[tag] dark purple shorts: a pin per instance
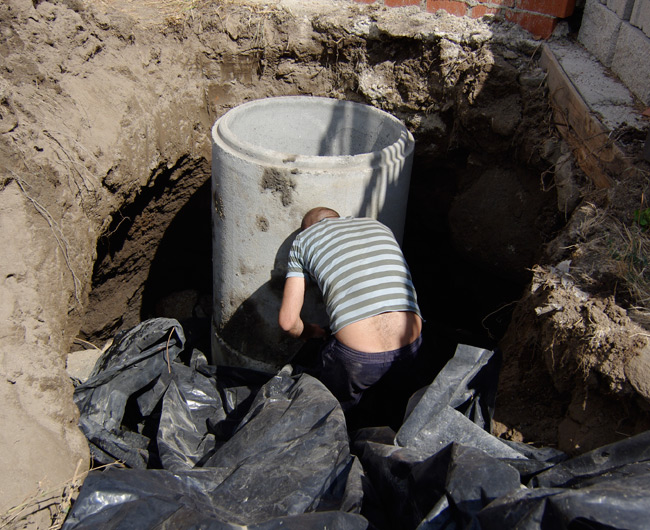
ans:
(347, 372)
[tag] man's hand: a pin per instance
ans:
(312, 331)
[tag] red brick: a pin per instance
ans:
(450, 6)
(400, 3)
(539, 25)
(481, 11)
(557, 8)
(500, 3)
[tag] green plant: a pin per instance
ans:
(642, 218)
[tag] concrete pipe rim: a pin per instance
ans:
(225, 135)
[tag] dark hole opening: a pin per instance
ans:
(462, 303)
(179, 284)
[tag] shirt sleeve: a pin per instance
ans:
(295, 267)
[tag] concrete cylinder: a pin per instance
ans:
(272, 160)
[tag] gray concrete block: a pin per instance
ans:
(599, 31)
(631, 63)
(641, 16)
(603, 93)
(622, 8)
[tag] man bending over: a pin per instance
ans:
(369, 296)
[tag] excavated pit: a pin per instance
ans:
(105, 117)
(477, 215)
(478, 111)
(165, 270)
(478, 212)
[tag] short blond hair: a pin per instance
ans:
(317, 214)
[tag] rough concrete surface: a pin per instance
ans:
(631, 45)
(641, 17)
(105, 113)
(623, 8)
(602, 92)
(599, 31)
(297, 150)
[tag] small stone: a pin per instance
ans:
(80, 364)
(533, 79)
(568, 191)
(550, 150)
(637, 370)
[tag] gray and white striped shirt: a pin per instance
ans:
(358, 266)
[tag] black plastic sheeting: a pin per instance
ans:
(222, 448)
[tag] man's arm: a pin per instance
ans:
(289, 318)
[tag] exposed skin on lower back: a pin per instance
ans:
(383, 332)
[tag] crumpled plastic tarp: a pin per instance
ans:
(445, 471)
(222, 448)
(226, 454)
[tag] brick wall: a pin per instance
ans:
(537, 16)
(617, 32)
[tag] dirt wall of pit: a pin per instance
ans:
(104, 132)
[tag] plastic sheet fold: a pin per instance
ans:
(445, 470)
(223, 448)
(212, 452)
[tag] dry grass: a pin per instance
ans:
(606, 244)
(56, 502)
(175, 13)
(592, 219)
(631, 253)
(154, 11)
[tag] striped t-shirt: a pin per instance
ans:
(358, 266)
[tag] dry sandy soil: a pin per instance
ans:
(105, 113)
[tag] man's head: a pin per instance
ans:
(317, 214)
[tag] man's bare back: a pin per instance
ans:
(381, 333)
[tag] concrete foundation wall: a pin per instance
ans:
(617, 32)
(622, 8)
(640, 17)
(632, 61)
(599, 31)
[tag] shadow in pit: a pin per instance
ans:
(448, 285)
(389, 160)
(179, 284)
(256, 317)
